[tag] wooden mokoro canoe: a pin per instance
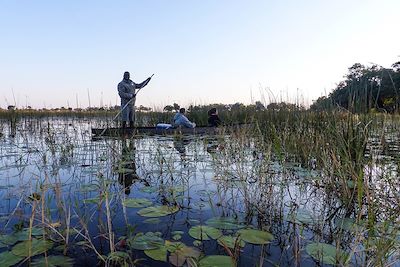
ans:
(199, 130)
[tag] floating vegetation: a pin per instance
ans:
(53, 261)
(158, 254)
(326, 253)
(137, 203)
(225, 223)
(256, 237)
(231, 241)
(9, 259)
(158, 211)
(152, 221)
(146, 241)
(216, 261)
(31, 248)
(203, 232)
(22, 235)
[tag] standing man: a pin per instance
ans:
(127, 92)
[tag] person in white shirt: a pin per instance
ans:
(181, 120)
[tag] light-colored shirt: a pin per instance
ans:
(181, 120)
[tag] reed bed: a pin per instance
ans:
(317, 188)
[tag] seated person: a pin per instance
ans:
(213, 119)
(181, 120)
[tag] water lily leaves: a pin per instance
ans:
(152, 221)
(53, 261)
(9, 239)
(136, 202)
(158, 211)
(31, 248)
(256, 237)
(326, 253)
(349, 224)
(89, 187)
(177, 189)
(93, 200)
(197, 243)
(149, 189)
(225, 223)
(304, 217)
(216, 261)
(146, 241)
(159, 254)
(230, 241)
(177, 259)
(23, 235)
(8, 259)
(180, 252)
(203, 232)
(177, 235)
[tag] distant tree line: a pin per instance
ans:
(365, 89)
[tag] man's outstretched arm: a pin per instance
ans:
(142, 84)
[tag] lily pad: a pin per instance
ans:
(326, 253)
(93, 200)
(146, 241)
(23, 235)
(180, 252)
(176, 237)
(149, 189)
(8, 259)
(256, 237)
(216, 261)
(152, 221)
(158, 211)
(53, 261)
(197, 243)
(89, 187)
(177, 232)
(177, 189)
(229, 241)
(349, 224)
(159, 254)
(203, 232)
(225, 223)
(136, 202)
(31, 248)
(304, 217)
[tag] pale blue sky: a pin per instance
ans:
(55, 52)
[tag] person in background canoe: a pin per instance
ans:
(213, 119)
(181, 120)
(127, 92)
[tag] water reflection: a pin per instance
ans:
(180, 144)
(127, 174)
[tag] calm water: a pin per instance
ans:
(205, 177)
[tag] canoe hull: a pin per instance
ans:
(153, 131)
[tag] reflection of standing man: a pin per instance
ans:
(127, 166)
(127, 92)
